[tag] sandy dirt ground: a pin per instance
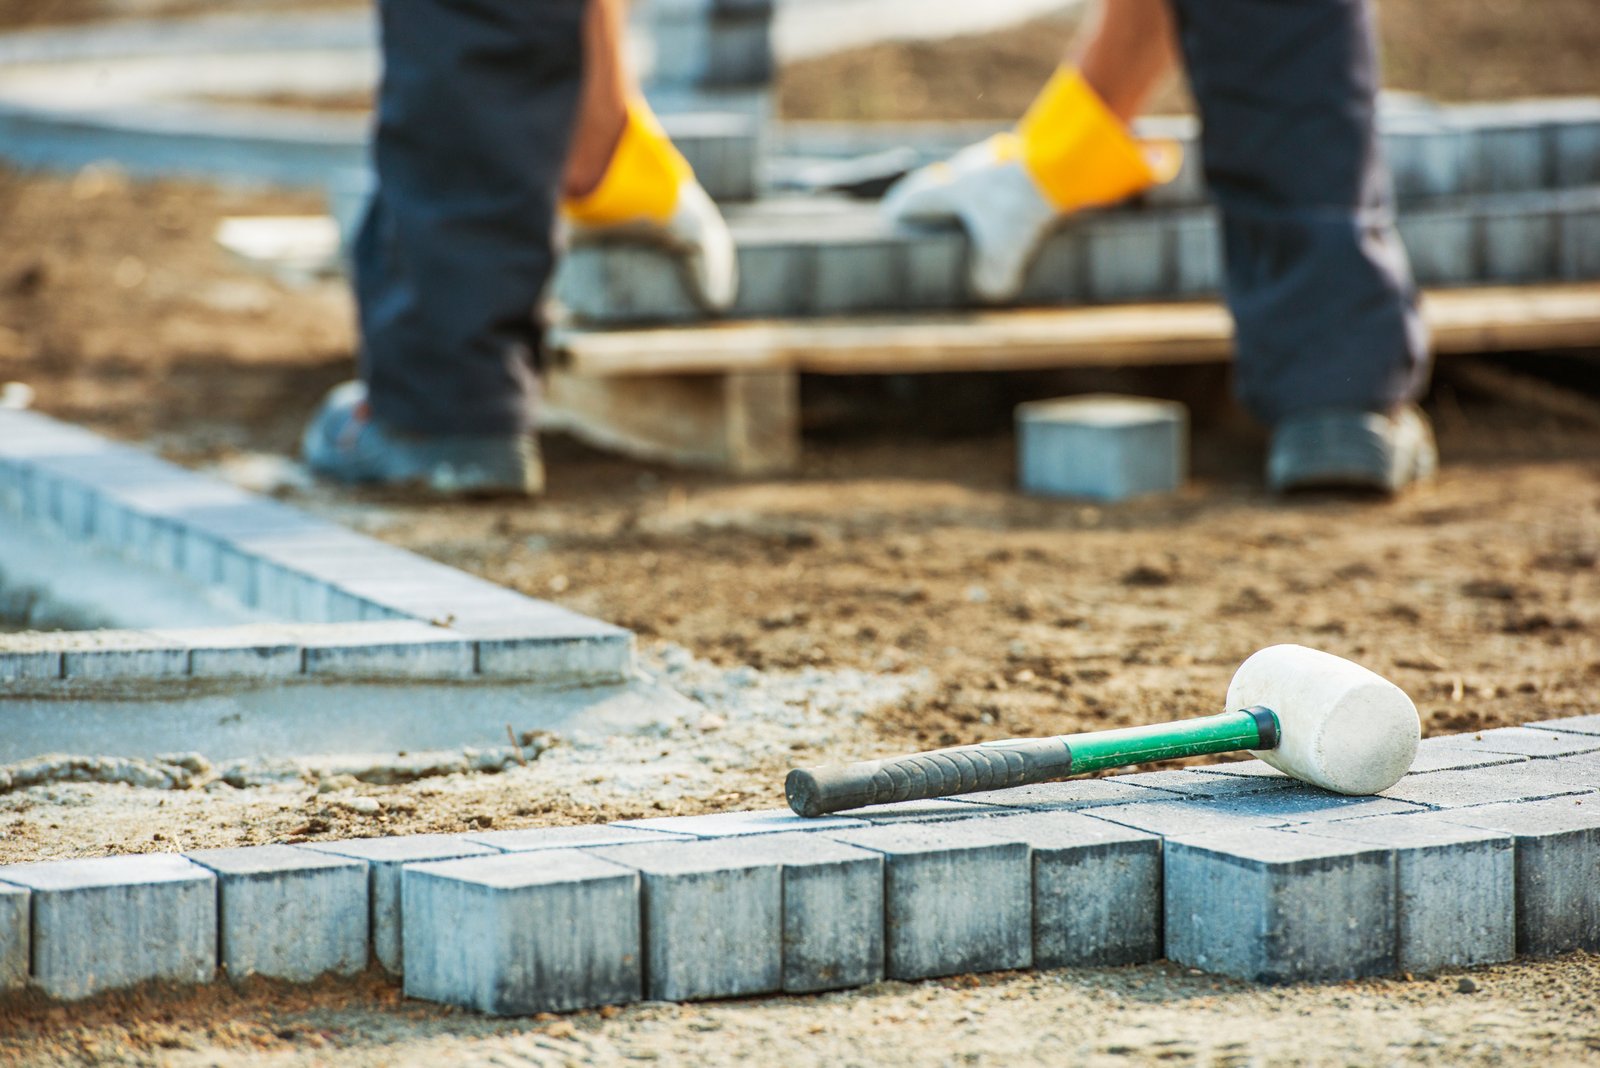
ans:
(894, 594)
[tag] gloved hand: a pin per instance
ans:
(1009, 192)
(650, 193)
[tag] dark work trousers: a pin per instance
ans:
(475, 113)
(1324, 307)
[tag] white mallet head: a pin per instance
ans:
(1340, 726)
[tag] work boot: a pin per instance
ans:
(649, 193)
(1332, 449)
(1069, 152)
(343, 442)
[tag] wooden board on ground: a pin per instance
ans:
(725, 395)
(1462, 320)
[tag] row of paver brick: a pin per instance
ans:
(801, 257)
(338, 602)
(1491, 848)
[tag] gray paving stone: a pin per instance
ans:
(1241, 768)
(1518, 245)
(1523, 741)
(1130, 258)
(1212, 782)
(713, 918)
(832, 910)
(1176, 818)
(956, 898)
(1569, 725)
(935, 271)
(25, 657)
(119, 654)
(1455, 889)
(385, 858)
(776, 277)
(1443, 244)
(735, 824)
(1475, 786)
(724, 48)
(1068, 794)
(1445, 754)
(1276, 906)
(523, 933)
(1197, 255)
(614, 282)
(1310, 805)
(1059, 274)
(552, 647)
(288, 913)
(1576, 147)
(14, 925)
(530, 839)
(1101, 446)
(1507, 157)
(1096, 889)
(1579, 240)
(1558, 869)
(401, 649)
(926, 810)
(109, 922)
(860, 273)
(253, 651)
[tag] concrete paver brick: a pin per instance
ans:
(523, 932)
(1276, 906)
(956, 898)
(528, 839)
(14, 937)
(733, 824)
(1524, 741)
(107, 922)
(712, 918)
(288, 913)
(1102, 446)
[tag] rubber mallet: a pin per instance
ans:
(1313, 715)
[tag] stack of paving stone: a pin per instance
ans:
(1489, 849)
(1489, 194)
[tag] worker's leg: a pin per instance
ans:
(475, 115)
(1321, 292)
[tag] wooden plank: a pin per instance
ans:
(746, 423)
(1462, 320)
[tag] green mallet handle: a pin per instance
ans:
(971, 769)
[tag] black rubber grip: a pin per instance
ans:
(940, 773)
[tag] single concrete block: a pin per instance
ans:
(565, 649)
(724, 48)
(1070, 794)
(613, 282)
(935, 271)
(712, 918)
(1569, 725)
(385, 857)
(1576, 146)
(289, 913)
(1096, 889)
(1578, 234)
(1202, 782)
(1060, 272)
(1443, 245)
(1454, 886)
(859, 274)
(529, 839)
(1310, 804)
(1178, 818)
(120, 654)
(252, 651)
(1523, 741)
(1274, 906)
(1506, 156)
(1130, 258)
(923, 810)
(776, 277)
(28, 657)
(1243, 769)
(1476, 786)
(523, 933)
(1446, 754)
(736, 824)
(1558, 869)
(832, 910)
(956, 898)
(401, 649)
(1198, 255)
(1519, 245)
(1102, 446)
(109, 922)
(14, 927)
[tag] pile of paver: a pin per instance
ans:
(1489, 849)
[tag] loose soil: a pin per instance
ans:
(896, 593)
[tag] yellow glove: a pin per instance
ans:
(649, 191)
(1069, 152)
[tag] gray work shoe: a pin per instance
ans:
(344, 443)
(1335, 449)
